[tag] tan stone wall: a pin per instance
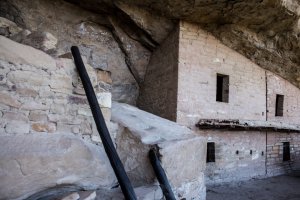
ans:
(41, 94)
(291, 106)
(274, 160)
(201, 57)
(158, 93)
(230, 166)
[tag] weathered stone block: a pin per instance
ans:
(34, 106)
(44, 127)
(37, 116)
(104, 99)
(40, 161)
(41, 40)
(26, 92)
(183, 153)
(17, 127)
(18, 53)
(27, 77)
(7, 99)
(104, 76)
(8, 28)
(15, 116)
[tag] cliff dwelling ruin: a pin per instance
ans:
(149, 100)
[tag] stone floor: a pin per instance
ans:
(275, 188)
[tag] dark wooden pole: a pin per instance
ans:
(161, 175)
(111, 152)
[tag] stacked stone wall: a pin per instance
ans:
(239, 155)
(274, 161)
(201, 58)
(291, 105)
(41, 94)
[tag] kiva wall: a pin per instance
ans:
(158, 93)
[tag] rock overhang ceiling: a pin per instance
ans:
(265, 31)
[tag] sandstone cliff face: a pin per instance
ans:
(119, 36)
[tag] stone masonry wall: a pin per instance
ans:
(274, 160)
(158, 93)
(201, 57)
(291, 105)
(230, 165)
(42, 94)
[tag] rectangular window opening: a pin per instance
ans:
(222, 88)
(210, 157)
(279, 105)
(286, 151)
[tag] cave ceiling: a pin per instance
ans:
(265, 31)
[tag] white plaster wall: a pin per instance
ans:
(201, 57)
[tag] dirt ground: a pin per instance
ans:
(275, 188)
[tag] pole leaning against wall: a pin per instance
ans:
(161, 175)
(111, 152)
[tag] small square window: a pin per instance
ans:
(222, 94)
(279, 105)
(210, 157)
(286, 151)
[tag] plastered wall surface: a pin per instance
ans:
(159, 91)
(233, 159)
(201, 57)
(291, 106)
(252, 96)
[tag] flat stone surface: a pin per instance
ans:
(31, 164)
(18, 53)
(182, 151)
(275, 188)
(150, 128)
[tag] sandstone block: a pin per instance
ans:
(17, 127)
(7, 99)
(19, 37)
(104, 76)
(41, 40)
(44, 127)
(61, 83)
(17, 53)
(32, 105)
(58, 108)
(8, 28)
(27, 77)
(104, 99)
(85, 112)
(183, 153)
(37, 116)
(40, 161)
(15, 116)
(26, 92)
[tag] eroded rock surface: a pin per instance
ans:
(118, 36)
(182, 152)
(32, 163)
